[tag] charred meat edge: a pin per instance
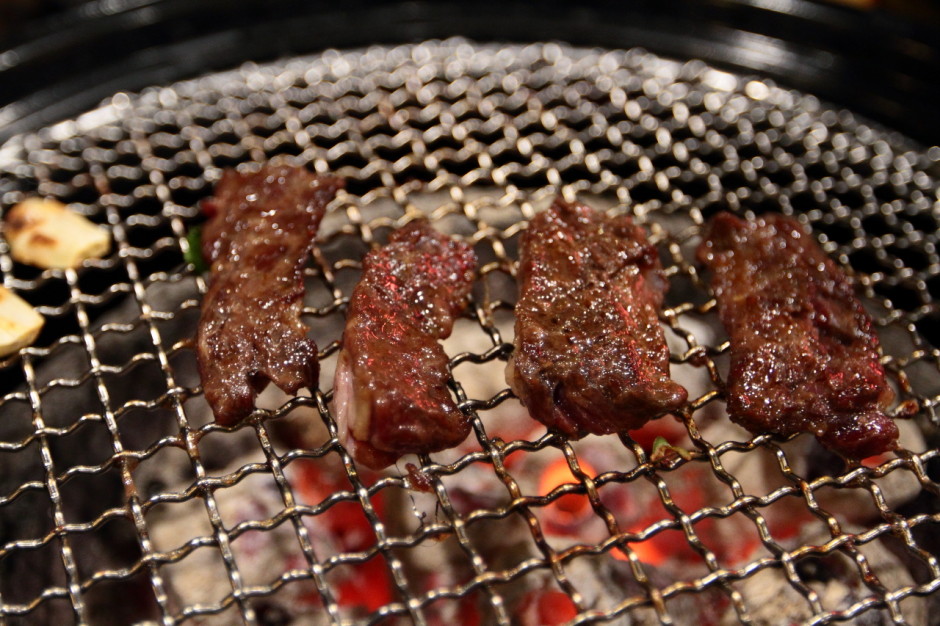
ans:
(804, 354)
(590, 354)
(258, 238)
(391, 394)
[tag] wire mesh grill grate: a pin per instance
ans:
(121, 502)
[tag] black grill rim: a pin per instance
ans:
(877, 63)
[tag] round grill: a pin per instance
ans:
(121, 501)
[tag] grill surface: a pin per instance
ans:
(97, 413)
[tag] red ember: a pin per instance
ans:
(546, 608)
(566, 512)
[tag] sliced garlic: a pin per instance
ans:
(19, 323)
(46, 234)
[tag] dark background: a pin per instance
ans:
(14, 14)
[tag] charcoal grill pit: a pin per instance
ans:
(127, 504)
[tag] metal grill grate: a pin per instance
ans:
(121, 502)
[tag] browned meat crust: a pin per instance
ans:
(391, 376)
(590, 355)
(257, 240)
(804, 356)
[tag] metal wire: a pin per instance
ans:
(480, 137)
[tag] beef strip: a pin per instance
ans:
(257, 240)
(391, 375)
(590, 355)
(804, 356)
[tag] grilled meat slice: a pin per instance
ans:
(804, 356)
(257, 240)
(391, 395)
(590, 355)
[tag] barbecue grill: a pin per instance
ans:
(121, 502)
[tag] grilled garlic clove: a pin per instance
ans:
(46, 234)
(19, 323)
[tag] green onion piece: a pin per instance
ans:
(662, 450)
(193, 255)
